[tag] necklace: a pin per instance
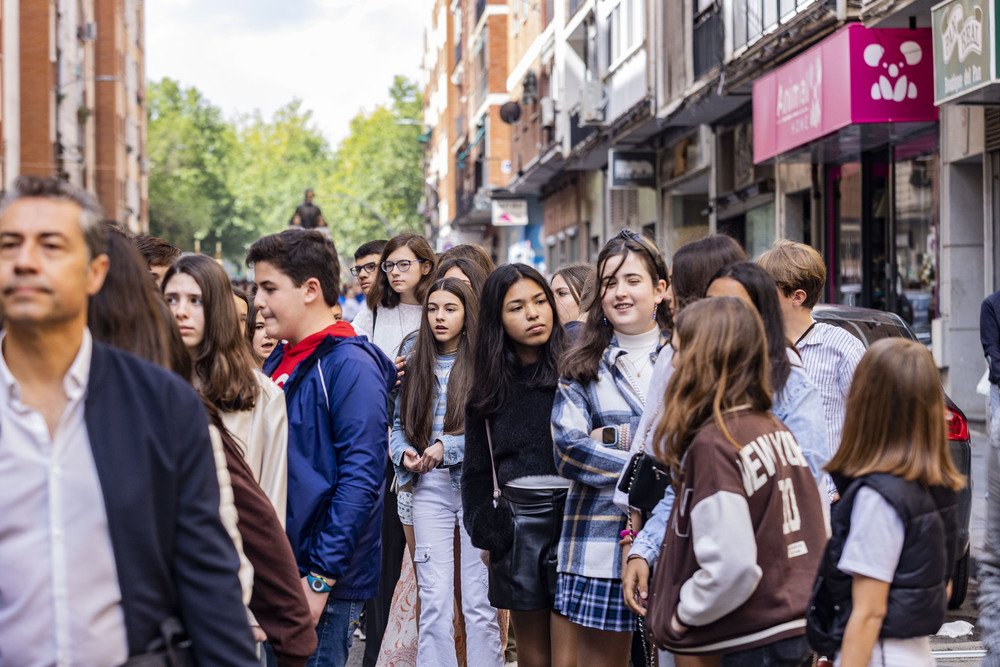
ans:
(447, 352)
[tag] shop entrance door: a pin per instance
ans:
(858, 264)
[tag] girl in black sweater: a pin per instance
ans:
(510, 403)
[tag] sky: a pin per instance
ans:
(338, 56)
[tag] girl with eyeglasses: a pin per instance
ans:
(605, 381)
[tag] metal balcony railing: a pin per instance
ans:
(458, 52)
(480, 8)
(574, 5)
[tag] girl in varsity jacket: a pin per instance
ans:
(746, 532)
(605, 378)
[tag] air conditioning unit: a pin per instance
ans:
(593, 104)
(548, 111)
(88, 32)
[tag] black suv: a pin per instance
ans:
(871, 325)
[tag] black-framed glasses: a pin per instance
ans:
(403, 264)
(658, 261)
(367, 268)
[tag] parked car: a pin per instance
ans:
(871, 325)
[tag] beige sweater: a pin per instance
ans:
(262, 434)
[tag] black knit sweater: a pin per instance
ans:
(522, 447)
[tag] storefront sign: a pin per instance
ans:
(857, 75)
(964, 52)
(632, 169)
(510, 212)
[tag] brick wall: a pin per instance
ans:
(37, 94)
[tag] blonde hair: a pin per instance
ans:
(721, 364)
(896, 374)
(795, 266)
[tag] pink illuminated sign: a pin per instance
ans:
(857, 75)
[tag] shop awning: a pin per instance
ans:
(856, 75)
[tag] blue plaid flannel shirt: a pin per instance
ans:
(592, 523)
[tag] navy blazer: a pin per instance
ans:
(149, 436)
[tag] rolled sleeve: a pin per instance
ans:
(578, 456)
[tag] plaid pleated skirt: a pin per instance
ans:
(593, 603)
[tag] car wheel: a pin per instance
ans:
(959, 581)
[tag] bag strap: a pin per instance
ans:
(493, 467)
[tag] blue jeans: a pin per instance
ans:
(334, 632)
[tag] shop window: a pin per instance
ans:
(915, 174)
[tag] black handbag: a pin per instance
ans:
(171, 649)
(644, 482)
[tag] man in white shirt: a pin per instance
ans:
(110, 522)
(829, 354)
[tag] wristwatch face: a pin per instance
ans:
(318, 585)
(609, 435)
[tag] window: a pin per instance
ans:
(625, 30)
(752, 19)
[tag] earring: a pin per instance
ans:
(605, 321)
(463, 332)
(655, 306)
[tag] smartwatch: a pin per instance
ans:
(318, 584)
(609, 435)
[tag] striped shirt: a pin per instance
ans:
(830, 355)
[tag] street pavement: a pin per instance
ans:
(968, 650)
(958, 652)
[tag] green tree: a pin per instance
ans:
(378, 163)
(189, 145)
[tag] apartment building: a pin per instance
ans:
(73, 98)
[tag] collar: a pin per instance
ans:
(74, 382)
(614, 349)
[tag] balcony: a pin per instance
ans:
(575, 5)
(578, 134)
(480, 8)
(708, 40)
(458, 52)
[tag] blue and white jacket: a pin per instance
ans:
(592, 524)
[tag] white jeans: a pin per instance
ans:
(437, 509)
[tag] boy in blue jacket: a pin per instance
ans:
(335, 387)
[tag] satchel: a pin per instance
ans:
(826, 620)
(645, 481)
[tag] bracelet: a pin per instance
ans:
(631, 556)
(628, 533)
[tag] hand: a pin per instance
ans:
(400, 368)
(432, 457)
(598, 434)
(258, 634)
(635, 585)
(316, 601)
(675, 624)
(411, 461)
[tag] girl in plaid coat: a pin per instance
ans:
(602, 391)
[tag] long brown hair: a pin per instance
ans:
(222, 364)
(581, 361)
(721, 364)
(418, 395)
(381, 292)
(912, 441)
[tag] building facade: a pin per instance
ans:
(869, 129)
(72, 98)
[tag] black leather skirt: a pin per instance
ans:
(524, 578)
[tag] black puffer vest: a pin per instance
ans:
(918, 597)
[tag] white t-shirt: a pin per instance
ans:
(872, 550)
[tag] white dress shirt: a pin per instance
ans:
(60, 601)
